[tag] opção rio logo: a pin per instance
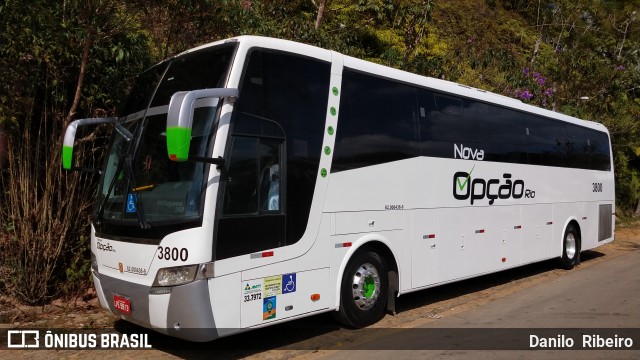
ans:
(465, 187)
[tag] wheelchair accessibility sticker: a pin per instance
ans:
(132, 199)
(288, 283)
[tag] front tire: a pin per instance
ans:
(364, 290)
(570, 248)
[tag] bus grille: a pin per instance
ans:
(604, 222)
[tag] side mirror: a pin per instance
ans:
(70, 136)
(180, 118)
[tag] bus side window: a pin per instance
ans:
(378, 122)
(444, 122)
(448, 105)
(546, 141)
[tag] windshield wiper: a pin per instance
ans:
(103, 204)
(125, 164)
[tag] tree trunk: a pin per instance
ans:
(88, 42)
(321, 6)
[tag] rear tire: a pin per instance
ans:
(570, 248)
(364, 290)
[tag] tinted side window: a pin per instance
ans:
(447, 121)
(291, 91)
(546, 141)
(587, 148)
(501, 133)
(377, 124)
(448, 105)
(601, 155)
(443, 123)
(579, 149)
(370, 133)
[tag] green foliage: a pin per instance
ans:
(627, 184)
(78, 271)
(46, 79)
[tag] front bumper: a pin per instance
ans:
(184, 313)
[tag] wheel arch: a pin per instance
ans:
(381, 245)
(565, 261)
(572, 220)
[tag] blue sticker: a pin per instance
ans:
(269, 308)
(132, 199)
(288, 283)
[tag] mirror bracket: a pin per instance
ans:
(180, 119)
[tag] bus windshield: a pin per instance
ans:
(139, 182)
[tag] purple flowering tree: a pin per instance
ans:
(534, 88)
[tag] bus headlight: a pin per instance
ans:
(94, 262)
(175, 275)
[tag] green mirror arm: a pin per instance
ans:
(180, 118)
(70, 137)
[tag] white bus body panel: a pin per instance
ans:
(467, 240)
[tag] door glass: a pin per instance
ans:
(242, 175)
(269, 176)
(253, 177)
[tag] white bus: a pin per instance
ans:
(253, 181)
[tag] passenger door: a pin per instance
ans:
(253, 216)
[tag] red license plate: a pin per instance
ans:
(122, 304)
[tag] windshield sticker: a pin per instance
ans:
(147, 164)
(132, 199)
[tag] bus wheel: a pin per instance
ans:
(570, 248)
(364, 290)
